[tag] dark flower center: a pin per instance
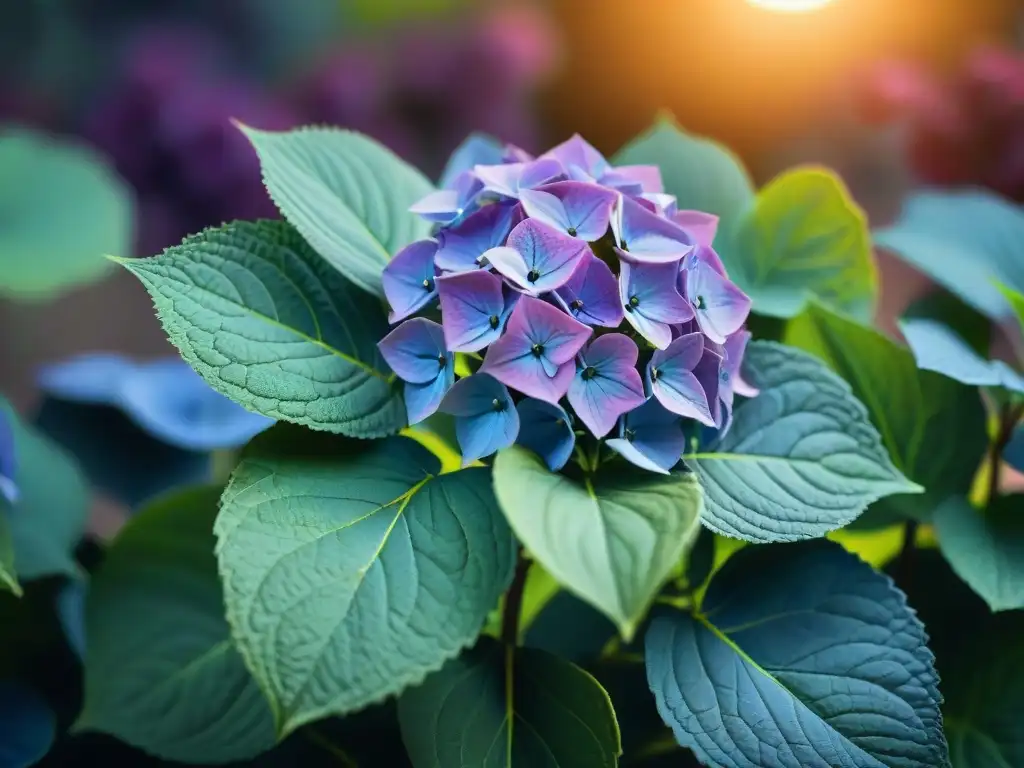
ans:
(623, 246)
(442, 360)
(589, 372)
(498, 405)
(428, 284)
(493, 321)
(725, 375)
(533, 275)
(629, 434)
(576, 305)
(699, 302)
(571, 231)
(654, 374)
(537, 349)
(633, 302)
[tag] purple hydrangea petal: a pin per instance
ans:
(511, 179)
(709, 375)
(673, 381)
(651, 300)
(415, 351)
(440, 206)
(606, 384)
(535, 354)
(477, 149)
(408, 279)
(591, 294)
(537, 258)
(735, 347)
(664, 205)
(546, 430)
(579, 158)
(641, 235)
(460, 247)
(474, 308)
(721, 307)
(702, 227)
(579, 209)
(635, 179)
(486, 419)
(651, 437)
(8, 459)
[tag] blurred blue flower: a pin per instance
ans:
(8, 460)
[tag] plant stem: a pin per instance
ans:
(904, 568)
(514, 602)
(317, 738)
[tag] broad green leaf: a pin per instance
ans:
(271, 325)
(964, 240)
(964, 320)
(351, 573)
(570, 629)
(804, 237)
(802, 653)
(61, 210)
(937, 348)
(499, 707)
(933, 427)
(702, 174)
(612, 539)
(348, 195)
(50, 515)
(28, 726)
(801, 458)
(986, 548)
(8, 575)
(161, 672)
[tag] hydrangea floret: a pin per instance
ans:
(584, 303)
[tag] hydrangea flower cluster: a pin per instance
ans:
(580, 296)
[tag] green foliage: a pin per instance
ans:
(352, 570)
(612, 539)
(803, 237)
(801, 459)
(348, 195)
(498, 707)
(44, 253)
(271, 325)
(8, 576)
(932, 426)
(161, 672)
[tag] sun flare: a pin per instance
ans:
(790, 6)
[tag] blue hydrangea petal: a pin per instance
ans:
(422, 400)
(476, 149)
(8, 459)
(579, 209)
(651, 301)
(654, 433)
(719, 304)
(414, 350)
(673, 383)
(546, 430)
(440, 206)
(606, 383)
(88, 378)
(509, 180)
(537, 258)
(408, 279)
(591, 294)
(474, 307)
(486, 419)
(460, 247)
(641, 235)
(634, 455)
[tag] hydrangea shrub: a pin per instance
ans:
(561, 452)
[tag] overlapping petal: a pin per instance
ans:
(606, 384)
(579, 158)
(650, 437)
(651, 301)
(486, 419)
(460, 247)
(673, 382)
(719, 304)
(416, 352)
(535, 354)
(537, 258)
(512, 179)
(444, 206)
(591, 294)
(408, 279)
(641, 235)
(474, 309)
(547, 431)
(702, 227)
(579, 209)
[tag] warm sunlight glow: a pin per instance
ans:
(790, 6)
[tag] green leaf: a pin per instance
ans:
(352, 571)
(348, 195)
(50, 515)
(801, 459)
(271, 325)
(966, 241)
(161, 672)
(1016, 301)
(702, 174)
(612, 539)
(61, 210)
(804, 237)
(8, 575)
(932, 426)
(499, 707)
(944, 307)
(802, 656)
(986, 548)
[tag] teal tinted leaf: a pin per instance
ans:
(986, 548)
(50, 515)
(271, 325)
(41, 177)
(495, 707)
(802, 657)
(162, 673)
(348, 195)
(27, 726)
(570, 629)
(932, 427)
(965, 321)
(353, 573)
(703, 174)
(965, 241)
(937, 348)
(804, 237)
(8, 576)
(801, 459)
(612, 539)
(70, 605)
